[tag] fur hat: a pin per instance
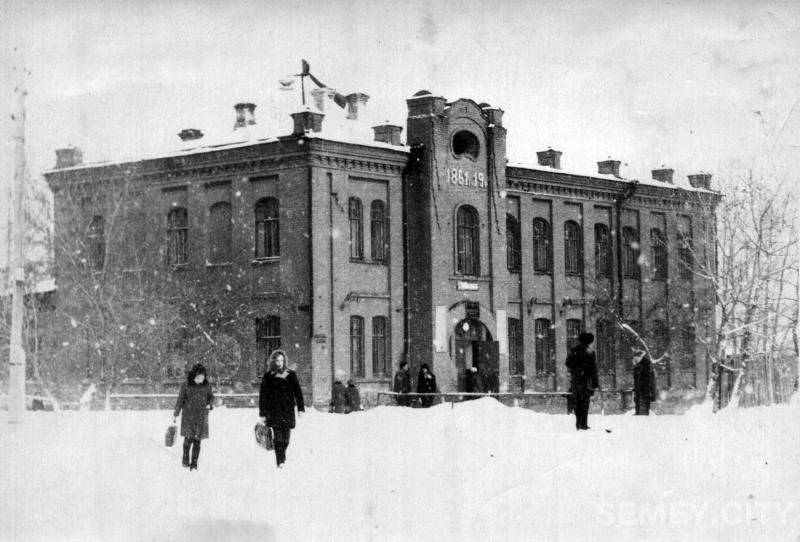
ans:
(272, 357)
(197, 369)
(586, 338)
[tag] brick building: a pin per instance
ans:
(355, 252)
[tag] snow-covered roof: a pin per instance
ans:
(679, 181)
(277, 123)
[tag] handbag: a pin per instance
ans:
(264, 436)
(169, 436)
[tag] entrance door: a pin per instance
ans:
(474, 346)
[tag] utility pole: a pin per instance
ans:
(16, 354)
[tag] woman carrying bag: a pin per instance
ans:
(279, 394)
(194, 401)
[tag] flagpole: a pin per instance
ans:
(16, 354)
(303, 87)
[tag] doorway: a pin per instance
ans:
(474, 346)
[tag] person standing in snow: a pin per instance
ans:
(475, 382)
(195, 399)
(352, 398)
(426, 383)
(338, 398)
(583, 378)
(279, 394)
(402, 384)
(644, 382)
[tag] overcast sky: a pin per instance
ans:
(710, 86)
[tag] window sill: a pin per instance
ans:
(266, 261)
(368, 262)
(470, 278)
(536, 272)
(371, 380)
(178, 266)
(574, 274)
(218, 264)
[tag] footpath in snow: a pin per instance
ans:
(479, 471)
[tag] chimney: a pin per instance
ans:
(307, 121)
(322, 97)
(388, 133)
(663, 175)
(68, 157)
(609, 167)
(190, 134)
(356, 104)
(700, 180)
(494, 114)
(245, 115)
(549, 158)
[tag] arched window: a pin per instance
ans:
(177, 236)
(355, 213)
(686, 250)
(630, 253)
(602, 251)
(381, 349)
(605, 347)
(219, 232)
(688, 339)
(356, 346)
(467, 241)
(545, 360)
(573, 248)
(268, 336)
(377, 213)
(658, 250)
(267, 214)
(659, 334)
(97, 243)
(513, 259)
(574, 329)
(541, 246)
(516, 363)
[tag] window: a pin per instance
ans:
(177, 234)
(268, 336)
(381, 350)
(574, 329)
(219, 232)
(356, 346)
(659, 333)
(631, 342)
(268, 244)
(541, 245)
(545, 362)
(658, 248)
(516, 363)
(630, 253)
(356, 229)
(602, 251)
(378, 231)
(465, 144)
(467, 241)
(685, 252)
(97, 243)
(513, 259)
(605, 347)
(573, 248)
(688, 338)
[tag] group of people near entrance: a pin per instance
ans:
(582, 365)
(280, 395)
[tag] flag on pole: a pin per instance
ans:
(338, 98)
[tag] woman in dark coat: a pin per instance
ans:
(352, 397)
(338, 398)
(644, 383)
(426, 383)
(195, 399)
(280, 393)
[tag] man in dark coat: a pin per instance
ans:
(338, 398)
(426, 383)
(402, 384)
(475, 382)
(195, 399)
(352, 398)
(644, 382)
(279, 394)
(583, 378)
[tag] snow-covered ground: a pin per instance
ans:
(479, 471)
